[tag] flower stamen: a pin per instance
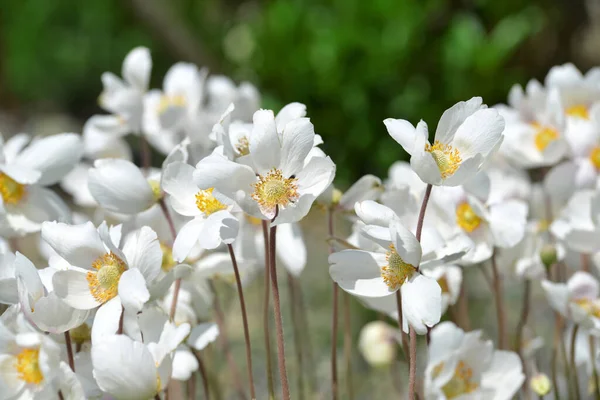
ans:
(11, 191)
(446, 157)
(207, 203)
(544, 135)
(466, 217)
(397, 271)
(274, 190)
(28, 366)
(578, 111)
(104, 282)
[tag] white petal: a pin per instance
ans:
(507, 222)
(21, 174)
(316, 176)
(265, 146)
(119, 186)
(142, 251)
(225, 176)
(219, 227)
(10, 382)
(187, 238)
(425, 166)
(132, 290)
(402, 132)
(359, 272)
(136, 68)
(184, 365)
(106, 320)
(203, 334)
(54, 156)
(421, 302)
(505, 375)
(373, 213)
(124, 368)
(288, 113)
(28, 277)
(53, 315)
(479, 134)
(557, 295)
(178, 181)
(40, 205)
(290, 248)
(184, 79)
(407, 245)
(583, 285)
(72, 286)
(368, 187)
(80, 245)
(454, 117)
(297, 141)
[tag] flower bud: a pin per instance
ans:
(540, 384)
(377, 344)
(548, 255)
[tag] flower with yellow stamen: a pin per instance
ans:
(274, 190)
(466, 217)
(104, 281)
(11, 191)
(207, 203)
(28, 366)
(397, 271)
(544, 135)
(578, 111)
(446, 157)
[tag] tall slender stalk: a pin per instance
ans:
(412, 368)
(296, 335)
(334, 314)
(592, 345)
(285, 389)
(165, 210)
(266, 327)
(573, 363)
(348, 347)
(403, 335)
(523, 319)
(500, 314)
(224, 340)
(203, 374)
(585, 262)
(145, 153)
(238, 282)
(69, 350)
(191, 388)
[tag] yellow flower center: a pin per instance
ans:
(104, 282)
(274, 190)
(591, 307)
(396, 272)
(242, 146)
(253, 220)
(156, 191)
(579, 111)
(28, 366)
(446, 157)
(207, 203)
(168, 262)
(443, 282)
(595, 157)
(544, 135)
(171, 101)
(466, 217)
(461, 382)
(81, 334)
(10, 190)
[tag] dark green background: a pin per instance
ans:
(353, 62)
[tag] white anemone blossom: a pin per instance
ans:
(578, 299)
(466, 136)
(279, 178)
(394, 266)
(100, 273)
(29, 363)
(25, 171)
(462, 365)
(41, 306)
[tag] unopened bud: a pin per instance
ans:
(540, 384)
(336, 196)
(548, 255)
(377, 344)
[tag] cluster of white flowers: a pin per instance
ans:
(119, 305)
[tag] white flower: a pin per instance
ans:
(172, 114)
(378, 343)
(212, 222)
(120, 186)
(128, 370)
(577, 299)
(577, 225)
(124, 97)
(184, 361)
(282, 179)
(25, 171)
(467, 134)
(101, 274)
(462, 365)
(393, 267)
(45, 310)
(8, 280)
(28, 363)
(449, 277)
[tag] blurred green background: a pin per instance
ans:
(353, 62)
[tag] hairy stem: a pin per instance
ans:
(573, 363)
(69, 351)
(348, 347)
(500, 314)
(334, 315)
(238, 282)
(266, 328)
(203, 374)
(285, 389)
(296, 335)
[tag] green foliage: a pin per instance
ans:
(353, 62)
